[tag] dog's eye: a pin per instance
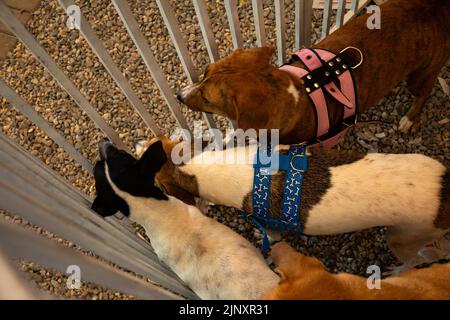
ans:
(202, 95)
(206, 71)
(205, 100)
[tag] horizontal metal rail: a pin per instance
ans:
(118, 221)
(36, 199)
(22, 244)
(36, 168)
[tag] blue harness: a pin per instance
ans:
(295, 164)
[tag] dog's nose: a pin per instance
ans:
(179, 96)
(103, 146)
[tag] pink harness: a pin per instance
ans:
(325, 71)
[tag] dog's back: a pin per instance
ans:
(412, 41)
(306, 278)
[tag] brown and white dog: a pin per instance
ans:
(412, 44)
(342, 191)
(214, 261)
(306, 278)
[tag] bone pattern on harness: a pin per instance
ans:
(293, 182)
(295, 165)
(261, 185)
(346, 95)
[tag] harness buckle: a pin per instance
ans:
(293, 167)
(360, 54)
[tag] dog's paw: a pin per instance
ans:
(405, 124)
(395, 271)
(273, 236)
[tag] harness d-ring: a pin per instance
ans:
(360, 54)
(292, 162)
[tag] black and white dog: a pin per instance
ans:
(214, 261)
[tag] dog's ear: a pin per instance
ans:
(103, 207)
(254, 58)
(107, 204)
(281, 273)
(289, 262)
(263, 55)
(153, 159)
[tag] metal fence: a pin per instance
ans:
(31, 190)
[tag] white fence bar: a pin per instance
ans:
(208, 36)
(123, 225)
(340, 13)
(12, 97)
(22, 244)
(177, 39)
(180, 45)
(303, 20)
(14, 282)
(233, 21)
(327, 10)
(258, 16)
(35, 169)
(98, 48)
(280, 22)
(356, 6)
(130, 23)
(16, 27)
(36, 199)
(206, 28)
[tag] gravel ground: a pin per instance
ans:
(349, 252)
(55, 283)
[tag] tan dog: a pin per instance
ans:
(306, 278)
(342, 191)
(412, 44)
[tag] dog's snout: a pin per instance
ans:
(184, 93)
(180, 95)
(103, 146)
